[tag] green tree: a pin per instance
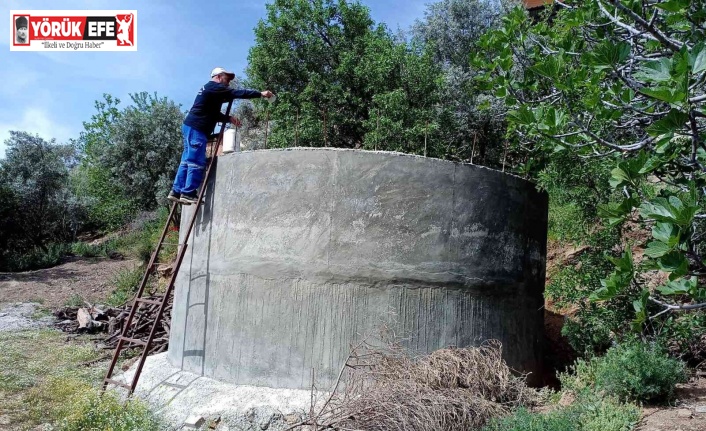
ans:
(339, 77)
(34, 174)
(10, 233)
(401, 117)
(145, 149)
(623, 80)
(450, 30)
(105, 201)
(129, 157)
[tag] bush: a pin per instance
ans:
(588, 413)
(93, 412)
(146, 240)
(37, 258)
(684, 335)
(83, 249)
(630, 371)
(75, 300)
(140, 242)
(589, 332)
(639, 371)
(597, 413)
(580, 377)
(522, 420)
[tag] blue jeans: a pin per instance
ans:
(193, 162)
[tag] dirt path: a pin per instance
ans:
(52, 287)
(688, 415)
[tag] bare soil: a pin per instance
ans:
(689, 413)
(89, 278)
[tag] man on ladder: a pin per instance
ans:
(200, 121)
(198, 124)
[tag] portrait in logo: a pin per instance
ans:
(21, 30)
(124, 29)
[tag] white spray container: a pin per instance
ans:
(231, 140)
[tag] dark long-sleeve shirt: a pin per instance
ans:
(206, 111)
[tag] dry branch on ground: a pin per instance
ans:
(450, 389)
(112, 320)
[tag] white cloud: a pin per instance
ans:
(35, 121)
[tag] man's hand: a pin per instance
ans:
(267, 94)
(234, 121)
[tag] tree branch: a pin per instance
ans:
(683, 307)
(658, 35)
(632, 30)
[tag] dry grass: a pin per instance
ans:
(450, 389)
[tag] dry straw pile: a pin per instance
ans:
(451, 389)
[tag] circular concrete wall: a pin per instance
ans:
(298, 253)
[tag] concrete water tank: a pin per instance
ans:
(298, 253)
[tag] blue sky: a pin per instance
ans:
(178, 44)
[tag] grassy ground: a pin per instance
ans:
(39, 371)
(46, 379)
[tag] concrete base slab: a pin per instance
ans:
(177, 395)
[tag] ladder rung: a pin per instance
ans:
(148, 301)
(117, 383)
(134, 341)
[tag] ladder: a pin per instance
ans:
(151, 266)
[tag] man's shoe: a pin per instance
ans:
(174, 197)
(189, 199)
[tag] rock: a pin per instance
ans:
(194, 422)
(84, 318)
(684, 413)
(250, 415)
(129, 363)
(292, 418)
(266, 421)
(264, 424)
(700, 409)
(165, 270)
(214, 423)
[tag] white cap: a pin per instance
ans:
(220, 70)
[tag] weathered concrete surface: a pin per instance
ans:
(298, 253)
